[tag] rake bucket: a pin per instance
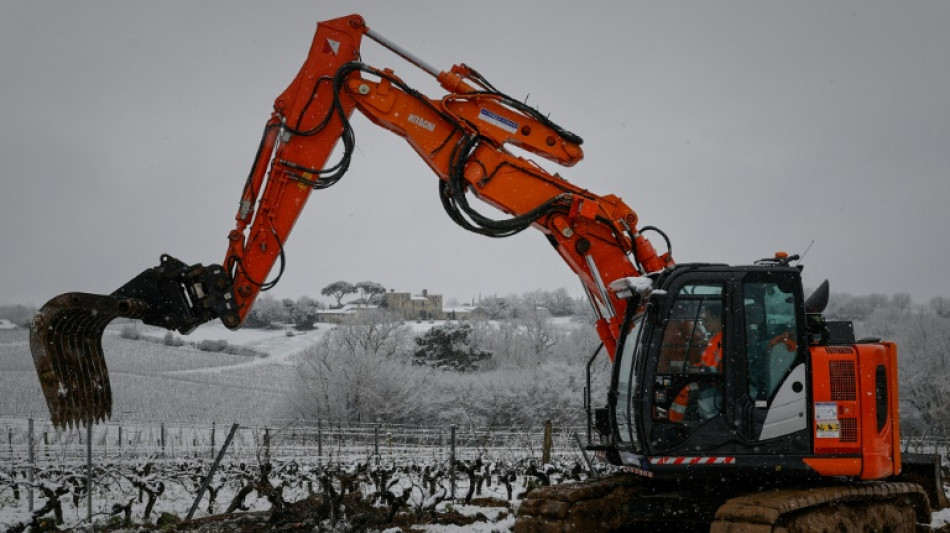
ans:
(66, 342)
(66, 334)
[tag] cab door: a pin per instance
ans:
(772, 407)
(688, 398)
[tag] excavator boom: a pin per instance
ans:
(463, 136)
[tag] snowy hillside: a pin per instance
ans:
(150, 379)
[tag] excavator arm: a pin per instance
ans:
(464, 137)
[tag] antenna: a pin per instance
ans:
(806, 250)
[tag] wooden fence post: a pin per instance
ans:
(266, 446)
(548, 442)
(319, 441)
(452, 462)
(32, 465)
(214, 466)
(89, 471)
(376, 442)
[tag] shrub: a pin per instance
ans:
(173, 340)
(129, 331)
(209, 345)
(449, 347)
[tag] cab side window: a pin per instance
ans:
(771, 338)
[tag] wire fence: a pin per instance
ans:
(39, 442)
(317, 442)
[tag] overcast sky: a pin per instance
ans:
(740, 128)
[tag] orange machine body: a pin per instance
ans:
(855, 406)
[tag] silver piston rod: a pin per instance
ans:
(403, 53)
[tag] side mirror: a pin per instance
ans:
(818, 299)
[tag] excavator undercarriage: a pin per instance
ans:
(628, 502)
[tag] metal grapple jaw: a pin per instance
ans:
(66, 334)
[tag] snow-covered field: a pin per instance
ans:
(153, 381)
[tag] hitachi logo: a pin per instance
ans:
(421, 122)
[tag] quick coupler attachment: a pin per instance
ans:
(66, 334)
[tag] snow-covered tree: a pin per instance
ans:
(338, 290)
(560, 302)
(353, 373)
(924, 358)
(303, 312)
(21, 315)
(267, 310)
(370, 291)
(449, 347)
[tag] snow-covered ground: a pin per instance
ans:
(940, 518)
(280, 345)
(178, 497)
(178, 501)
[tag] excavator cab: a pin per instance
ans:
(725, 361)
(716, 365)
(729, 371)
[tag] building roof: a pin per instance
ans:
(347, 309)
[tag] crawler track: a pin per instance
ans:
(626, 502)
(893, 507)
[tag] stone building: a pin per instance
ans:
(423, 306)
(349, 312)
(411, 307)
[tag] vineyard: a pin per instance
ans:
(149, 465)
(290, 477)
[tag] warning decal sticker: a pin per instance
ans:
(829, 429)
(826, 410)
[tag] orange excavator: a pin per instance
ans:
(733, 404)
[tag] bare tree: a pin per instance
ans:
(355, 372)
(379, 332)
(940, 305)
(901, 301)
(923, 339)
(539, 334)
(498, 337)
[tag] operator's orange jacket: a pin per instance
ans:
(712, 358)
(712, 355)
